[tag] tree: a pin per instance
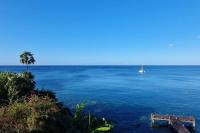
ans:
(27, 59)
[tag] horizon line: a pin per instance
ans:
(108, 65)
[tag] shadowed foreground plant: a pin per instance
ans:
(89, 123)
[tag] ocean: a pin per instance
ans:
(121, 94)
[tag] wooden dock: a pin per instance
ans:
(177, 123)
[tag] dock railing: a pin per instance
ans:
(177, 123)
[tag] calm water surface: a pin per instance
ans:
(121, 94)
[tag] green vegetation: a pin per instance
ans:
(23, 109)
(107, 127)
(13, 86)
(27, 59)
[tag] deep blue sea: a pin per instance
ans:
(121, 94)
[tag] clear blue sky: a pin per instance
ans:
(89, 32)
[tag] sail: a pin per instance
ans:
(141, 70)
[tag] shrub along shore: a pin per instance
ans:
(25, 109)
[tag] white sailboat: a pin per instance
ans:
(141, 71)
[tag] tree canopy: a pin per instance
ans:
(27, 58)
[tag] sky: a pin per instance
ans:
(101, 32)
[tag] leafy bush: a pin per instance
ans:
(48, 93)
(86, 123)
(3, 90)
(14, 86)
(42, 108)
(36, 114)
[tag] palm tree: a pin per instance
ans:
(27, 59)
